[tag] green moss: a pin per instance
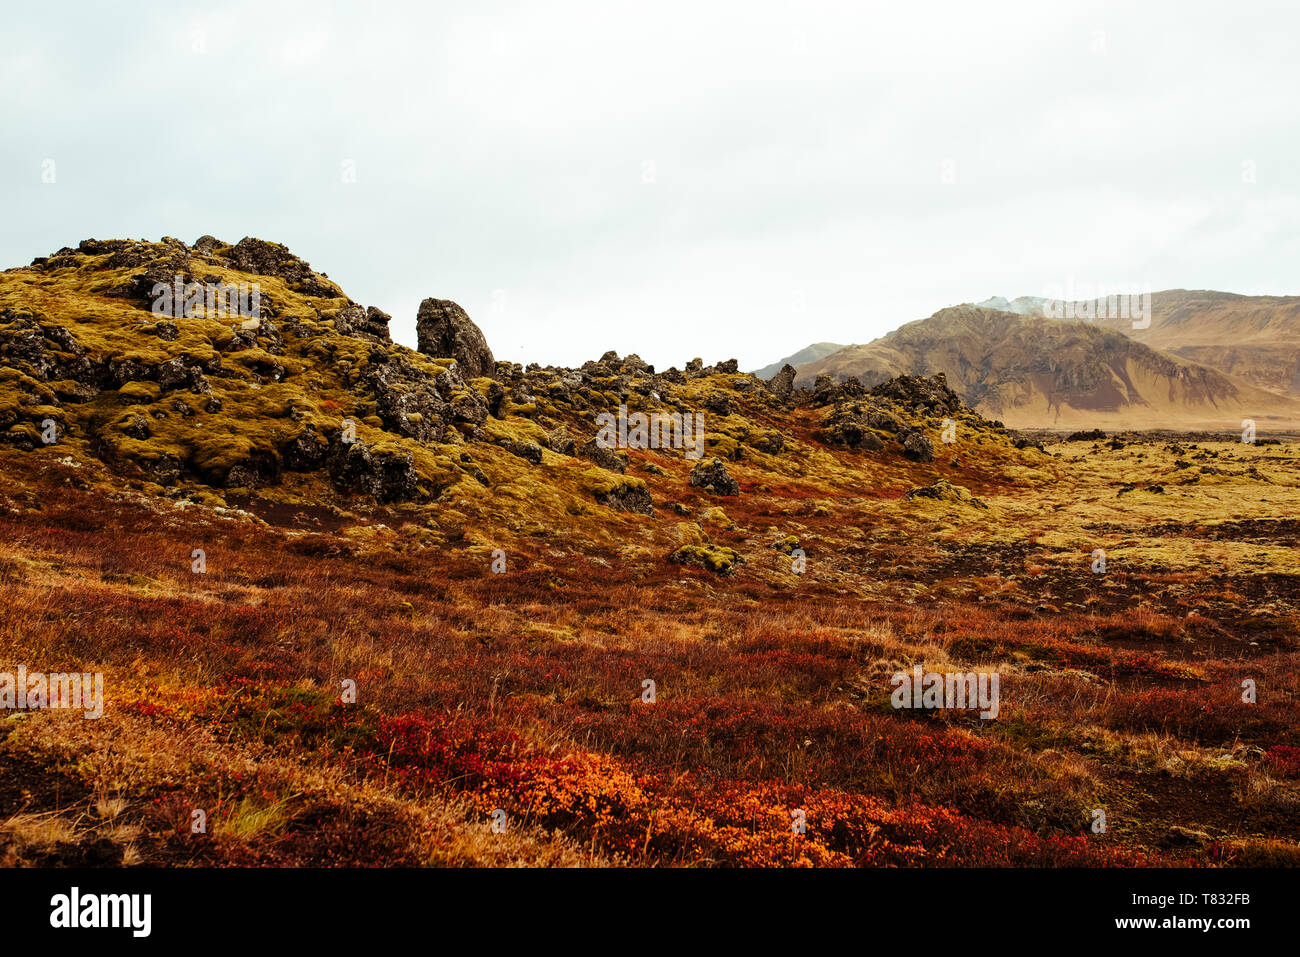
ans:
(517, 430)
(714, 558)
(600, 481)
(140, 393)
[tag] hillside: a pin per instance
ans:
(1253, 338)
(810, 353)
(312, 401)
(1032, 372)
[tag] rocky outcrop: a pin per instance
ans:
(927, 394)
(262, 258)
(444, 330)
(627, 497)
(714, 478)
(387, 475)
(320, 391)
(916, 447)
(605, 458)
(370, 322)
(944, 491)
(781, 385)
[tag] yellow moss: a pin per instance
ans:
(517, 430)
(689, 533)
(142, 393)
(600, 481)
(715, 558)
(716, 516)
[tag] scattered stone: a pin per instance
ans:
(714, 558)
(917, 448)
(945, 491)
(605, 458)
(781, 385)
(386, 475)
(560, 441)
(627, 496)
(714, 478)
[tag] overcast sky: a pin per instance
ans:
(671, 178)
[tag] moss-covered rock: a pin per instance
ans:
(715, 558)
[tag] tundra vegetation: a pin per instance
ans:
(426, 598)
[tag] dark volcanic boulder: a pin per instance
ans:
(371, 322)
(205, 245)
(304, 452)
(387, 475)
(713, 477)
(825, 391)
(782, 384)
(560, 441)
(408, 401)
(921, 394)
(627, 497)
(528, 451)
(443, 329)
(261, 258)
(917, 447)
(945, 491)
(605, 458)
(847, 431)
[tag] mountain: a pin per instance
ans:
(1022, 306)
(1032, 372)
(1255, 338)
(812, 353)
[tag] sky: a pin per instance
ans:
(674, 179)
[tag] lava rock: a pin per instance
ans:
(920, 393)
(385, 475)
(605, 458)
(304, 452)
(713, 477)
(781, 385)
(443, 329)
(917, 448)
(628, 497)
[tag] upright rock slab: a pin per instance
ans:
(443, 329)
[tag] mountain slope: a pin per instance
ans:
(1255, 338)
(1032, 372)
(818, 350)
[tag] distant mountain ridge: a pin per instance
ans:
(1255, 338)
(1022, 305)
(1033, 372)
(1206, 356)
(818, 350)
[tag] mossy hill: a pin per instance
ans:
(310, 409)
